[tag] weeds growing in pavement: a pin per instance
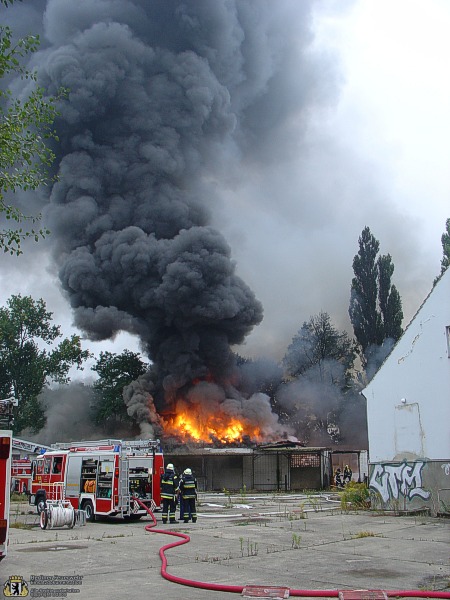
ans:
(364, 534)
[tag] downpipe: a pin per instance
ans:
(237, 589)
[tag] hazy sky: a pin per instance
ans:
(378, 157)
(373, 151)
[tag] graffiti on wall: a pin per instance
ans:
(392, 480)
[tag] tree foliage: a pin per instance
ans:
(445, 239)
(115, 371)
(319, 396)
(26, 126)
(390, 303)
(26, 368)
(319, 345)
(375, 304)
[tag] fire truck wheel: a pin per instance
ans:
(135, 517)
(89, 508)
(43, 519)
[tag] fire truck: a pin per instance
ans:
(5, 485)
(21, 465)
(20, 475)
(101, 477)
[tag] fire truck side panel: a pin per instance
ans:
(158, 469)
(141, 472)
(145, 475)
(73, 478)
(96, 483)
(101, 480)
(5, 485)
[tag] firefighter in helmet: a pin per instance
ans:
(169, 485)
(338, 478)
(188, 493)
(347, 474)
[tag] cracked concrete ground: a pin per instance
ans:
(302, 542)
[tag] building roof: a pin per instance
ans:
(283, 445)
(439, 282)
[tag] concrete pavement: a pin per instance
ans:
(296, 541)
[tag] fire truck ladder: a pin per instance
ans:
(134, 446)
(138, 447)
(27, 446)
(124, 484)
(88, 444)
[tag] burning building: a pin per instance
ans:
(163, 99)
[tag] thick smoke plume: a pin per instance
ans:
(68, 413)
(164, 98)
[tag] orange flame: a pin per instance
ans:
(209, 428)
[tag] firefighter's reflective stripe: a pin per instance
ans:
(169, 485)
(188, 486)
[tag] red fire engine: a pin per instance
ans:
(21, 465)
(5, 484)
(21, 475)
(101, 477)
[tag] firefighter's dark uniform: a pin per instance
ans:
(169, 485)
(188, 492)
(347, 474)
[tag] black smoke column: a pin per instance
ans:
(164, 98)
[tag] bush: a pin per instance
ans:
(355, 495)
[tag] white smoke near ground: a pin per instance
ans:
(68, 412)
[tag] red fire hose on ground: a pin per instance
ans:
(237, 589)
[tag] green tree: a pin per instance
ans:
(26, 368)
(26, 126)
(320, 366)
(389, 300)
(320, 345)
(445, 239)
(115, 371)
(375, 304)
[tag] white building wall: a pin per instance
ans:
(408, 400)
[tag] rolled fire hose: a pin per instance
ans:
(57, 516)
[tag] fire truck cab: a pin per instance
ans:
(5, 485)
(103, 477)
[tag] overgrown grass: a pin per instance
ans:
(364, 534)
(19, 525)
(15, 497)
(355, 495)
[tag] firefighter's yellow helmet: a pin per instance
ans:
(187, 472)
(170, 467)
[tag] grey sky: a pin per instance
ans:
(316, 139)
